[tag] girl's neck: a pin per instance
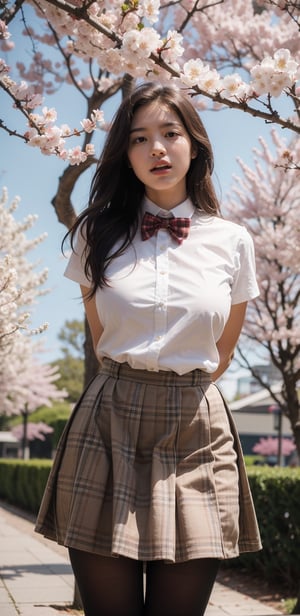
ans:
(166, 202)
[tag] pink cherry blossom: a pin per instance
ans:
(275, 74)
(232, 86)
(140, 43)
(266, 198)
(34, 431)
(192, 72)
(88, 125)
(149, 9)
(90, 149)
(162, 41)
(172, 49)
(4, 33)
(76, 156)
(23, 380)
(269, 446)
(283, 62)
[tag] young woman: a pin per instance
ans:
(149, 473)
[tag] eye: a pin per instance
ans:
(139, 139)
(172, 134)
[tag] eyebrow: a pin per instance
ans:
(164, 125)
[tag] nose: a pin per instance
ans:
(158, 149)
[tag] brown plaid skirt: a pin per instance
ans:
(150, 467)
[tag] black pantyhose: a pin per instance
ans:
(114, 586)
(182, 589)
(108, 586)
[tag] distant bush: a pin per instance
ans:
(254, 460)
(276, 494)
(22, 482)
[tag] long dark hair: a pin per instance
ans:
(116, 193)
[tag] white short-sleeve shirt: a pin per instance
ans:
(168, 303)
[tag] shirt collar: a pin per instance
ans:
(183, 210)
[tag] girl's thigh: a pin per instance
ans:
(180, 589)
(108, 586)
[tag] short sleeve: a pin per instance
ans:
(75, 268)
(244, 285)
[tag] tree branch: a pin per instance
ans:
(8, 14)
(257, 376)
(62, 201)
(271, 117)
(12, 133)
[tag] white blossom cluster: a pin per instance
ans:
(19, 284)
(10, 319)
(23, 380)
(157, 40)
(271, 76)
(267, 198)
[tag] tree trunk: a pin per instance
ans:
(25, 448)
(297, 439)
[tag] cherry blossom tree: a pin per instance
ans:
(29, 432)
(25, 384)
(266, 198)
(269, 446)
(238, 53)
(14, 267)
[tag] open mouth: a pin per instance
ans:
(160, 168)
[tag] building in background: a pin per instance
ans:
(257, 416)
(9, 445)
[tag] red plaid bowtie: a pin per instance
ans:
(177, 227)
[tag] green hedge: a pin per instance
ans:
(276, 494)
(22, 483)
(251, 460)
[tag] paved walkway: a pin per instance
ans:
(36, 578)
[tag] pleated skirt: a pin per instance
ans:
(150, 467)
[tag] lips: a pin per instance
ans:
(161, 167)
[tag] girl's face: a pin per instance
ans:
(160, 153)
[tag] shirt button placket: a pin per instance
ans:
(162, 283)
(160, 298)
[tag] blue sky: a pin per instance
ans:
(34, 177)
